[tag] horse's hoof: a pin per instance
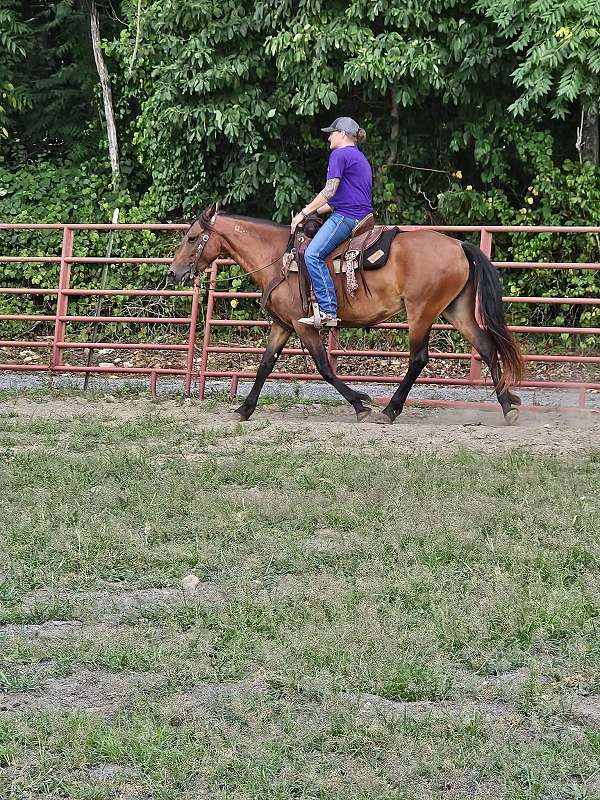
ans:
(382, 419)
(241, 416)
(366, 398)
(511, 416)
(361, 416)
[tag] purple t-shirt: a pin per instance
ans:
(354, 194)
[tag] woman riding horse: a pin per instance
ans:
(348, 193)
(427, 273)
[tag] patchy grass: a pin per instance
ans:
(46, 394)
(432, 583)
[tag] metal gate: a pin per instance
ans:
(196, 366)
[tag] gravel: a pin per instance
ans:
(297, 390)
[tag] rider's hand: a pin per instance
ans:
(296, 221)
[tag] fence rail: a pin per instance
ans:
(199, 369)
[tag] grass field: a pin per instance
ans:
(369, 623)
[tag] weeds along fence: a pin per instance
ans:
(54, 294)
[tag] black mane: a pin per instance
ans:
(204, 218)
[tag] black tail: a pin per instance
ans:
(489, 294)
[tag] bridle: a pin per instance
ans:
(201, 245)
(193, 263)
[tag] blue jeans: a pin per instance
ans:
(334, 231)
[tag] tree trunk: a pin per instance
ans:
(588, 139)
(395, 129)
(113, 147)
(137, 35)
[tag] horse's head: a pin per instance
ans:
(200, 246)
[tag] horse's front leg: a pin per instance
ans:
(277, 341)
(311, 339)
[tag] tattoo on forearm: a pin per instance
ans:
(331, 188)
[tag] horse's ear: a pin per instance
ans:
(214, 211)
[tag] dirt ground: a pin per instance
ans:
(334, 426)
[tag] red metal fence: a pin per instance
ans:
(61, 317)
(191, 371)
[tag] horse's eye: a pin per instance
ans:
(192, 238)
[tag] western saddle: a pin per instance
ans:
(367, 248)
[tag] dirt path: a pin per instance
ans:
(334, 427)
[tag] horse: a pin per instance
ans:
(427, 272)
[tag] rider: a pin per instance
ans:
(348, 193)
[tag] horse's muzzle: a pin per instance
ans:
(179, 276)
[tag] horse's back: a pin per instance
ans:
(425, 269)
(424, 259)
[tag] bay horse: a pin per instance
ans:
(427, 272)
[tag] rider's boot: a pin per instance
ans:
(320, 319)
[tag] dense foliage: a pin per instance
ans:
(472, 113)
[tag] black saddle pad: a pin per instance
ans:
(379, 252)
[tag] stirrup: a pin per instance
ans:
(320, 319)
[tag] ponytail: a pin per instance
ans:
(361, 135)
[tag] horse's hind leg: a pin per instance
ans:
(311, 339)
(418, 337)
(277, 341)
(460, 313)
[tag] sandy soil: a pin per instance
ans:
(333, 427)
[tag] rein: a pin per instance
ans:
(204, 241)
(254, 271)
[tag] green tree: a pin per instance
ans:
(14, 43)
(205, 112)
(48, 56)
(228, 101)
(558, 45)
(470, 109)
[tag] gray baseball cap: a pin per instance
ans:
(345, 124)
